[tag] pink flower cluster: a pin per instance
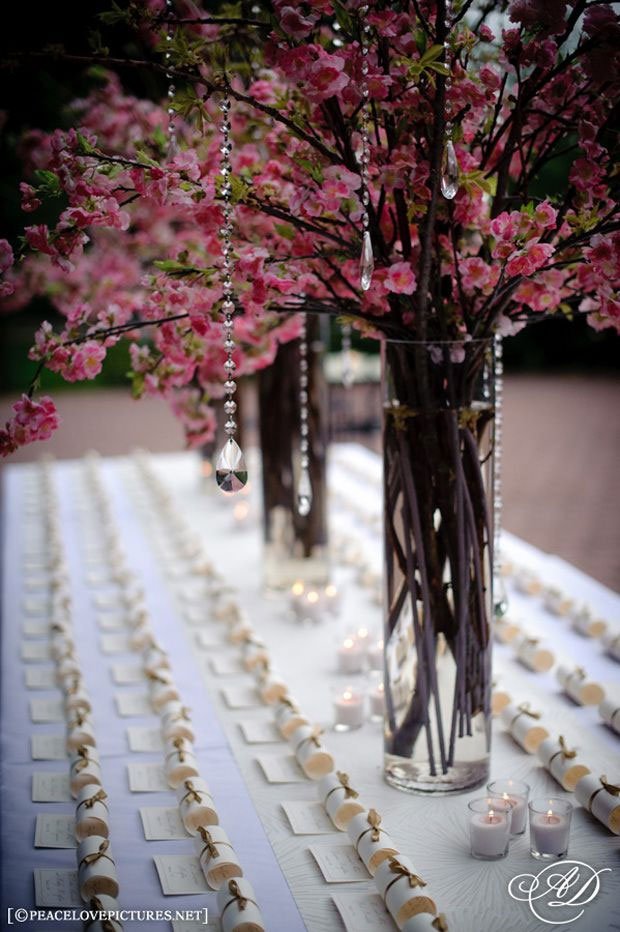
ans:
(32, 420)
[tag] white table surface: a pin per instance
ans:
(433, 832)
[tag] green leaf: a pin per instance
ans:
(48, 182)
(283, 229)
(432, 54)
(439, 67)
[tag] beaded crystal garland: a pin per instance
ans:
(367, 261)
(304, 485)
(500, 599)
(231, 471)
(173, 146)
(449, 164)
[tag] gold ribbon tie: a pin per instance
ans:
(343, 779)
(97, 855)
(440, 923)
(524, 709)
(192, 792)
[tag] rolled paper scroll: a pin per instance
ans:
(588, 624)
(609, 710)
(341, 801)
(371, 842)
(271, 687)
(600, 798)
(84, 768)
(91, 812)
(227, 610)
(196, 804)
(527, 581)
(67, 670)
(238, 907)
(218, 859)
(575, 684)
(288, 717)
(522, 723)
(96, 868)
(103, 904)
(556, 602)
(240, 632)
(61, 645)
(80, 730)
(155, 659)
(176, 721)
(499, 700)
(179, 762)
(142, 636)
(138, 617)
(402, 890)
(506, 630)
(254, 653)
(76, 696)
(424, 922)
(561, 762)
(313, 758)
(536, 658)
(162, 689)
(612, 644)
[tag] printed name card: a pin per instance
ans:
(110, 622)
(257, 732)
(207, 641)
(162, 823)
(180, 874)
(114, 644)
(49, 786)
(144, 739)
(95, 579)
(147, 778)
(307, 818)
(240, 697)
(363, 912)
(55, 830)
(35, 629)
(40, 677)
(125, 674)
(281, 769)
(46, 710)
(35, 651)
(339, 863)
(56, 888)
(36, 584)
(36, 606)
(225, 666)
(48, 747)
(107, 602)
(133, 703)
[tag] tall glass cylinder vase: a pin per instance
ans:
(438, 420)
(295, 545)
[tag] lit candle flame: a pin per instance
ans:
(491, 815)
(331, 591)
(549, 813)
(313, 597)
(348, 643)
(297, 588)
(347, 695)
(362, 632)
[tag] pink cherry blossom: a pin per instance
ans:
(400, 278)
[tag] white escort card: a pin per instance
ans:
(162, 823)
(133, 703)
(55, 830)
(364, 912)
(56, 888)
(225, 666)
(307, 818)
(339, 863)
(35, 629)
(114, 644)
(207, 641)
(281, 769)
(46, 710)
(36, 584)
(240, 697)
(257, 732)
(36, 606)
(144, 740)
(107, 603)
(50, 787)
(196, 616)
(125, 674)
(180, 874)
(48, 747)
(35, 651)
(109, 622)
(147, 778)
(40, 677)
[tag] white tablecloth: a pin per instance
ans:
(432, 831)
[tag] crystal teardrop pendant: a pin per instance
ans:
(449, 171)
(304, 494)
(173, 149)
(367, 262)
(500, 598)
(231, 472)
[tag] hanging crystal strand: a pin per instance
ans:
(304, 485)
(449, 164)
(173, 146)
(347, 361)
(230, 469)
(500, 599)
(367, 260)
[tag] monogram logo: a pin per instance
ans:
(559, 893)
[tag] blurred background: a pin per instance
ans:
(562, 387)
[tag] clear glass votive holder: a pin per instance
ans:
(349, 708)
(516, 792)
(489, 828)
(550, 820)
(376, 696)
